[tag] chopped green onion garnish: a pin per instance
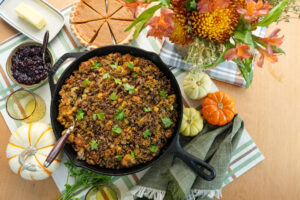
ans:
(98, 115)
(167, 122)
(119, 114)
(96, 65)
(130, 65)
(118, 81)
(163, 94)
(86, 82)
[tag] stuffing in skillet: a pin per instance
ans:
(125, 109)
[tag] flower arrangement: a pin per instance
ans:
(213, 31)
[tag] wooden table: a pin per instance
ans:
(271, 110)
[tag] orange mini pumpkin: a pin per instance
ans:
(218, 108)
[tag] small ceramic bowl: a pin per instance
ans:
(8, 64)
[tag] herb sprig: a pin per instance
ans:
(83, 179)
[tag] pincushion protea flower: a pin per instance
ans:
(217, 25)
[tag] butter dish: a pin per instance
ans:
(54, 19)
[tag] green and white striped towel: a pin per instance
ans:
(246, 156)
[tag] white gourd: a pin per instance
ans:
(27, 150)
(197, 85)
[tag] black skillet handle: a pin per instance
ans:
(58, 63)
(196, 164)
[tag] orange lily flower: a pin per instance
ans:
(266, 54)
(133, 6)
(254, 10)
(161, 26)
(242, 51)
(273, 40)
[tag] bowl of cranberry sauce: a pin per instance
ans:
(25, 65)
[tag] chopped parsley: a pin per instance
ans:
(163, 94)
(98, 115)
(146, 133)
(114, 66)
(96, 65)
(94, 144)
(148, 86)
(118, 81)
(147, 109)
(113, 96)
(167, 122)
(153, 148)
(129, 88)
(119, 114)
(130, 65)
(86, 82)
(135, 75)
(106, 75)
(118, 157)
(132, 154)
(117, 129)
(80, 114)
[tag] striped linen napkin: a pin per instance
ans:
(227, 71)
(246, 155)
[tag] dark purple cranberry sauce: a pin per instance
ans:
(27, 65)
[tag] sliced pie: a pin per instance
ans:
(97, 5)
(118, 31)
(123, 14)
(86, 32)
(103, 37)
(113, 6)
(83, 13)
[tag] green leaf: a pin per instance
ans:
(139, 27)
(132, 154)
(114, 66)
(166, 121)
(118, 157)
(147, 109)
(129, 88)
(116, 129)
(99, 116)
(245, 67)
(80, 114)
(96, 65)
(165, 2)
(135, 75)
(94, 144)
(130, 65)
(106, 75)
(163, 94)
(118, 81)
(273, 15)
(145, 16)
(119, 115)
(146, 133)
(153, 148)
(86, 82)
(113, 96)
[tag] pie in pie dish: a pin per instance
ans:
(96, 23)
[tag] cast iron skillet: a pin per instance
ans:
(173, 146)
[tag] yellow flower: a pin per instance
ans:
(218, 25)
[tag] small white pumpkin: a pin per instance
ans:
(197, 85)
(192, 122)
(27, 150)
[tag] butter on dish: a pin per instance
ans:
(30, 15)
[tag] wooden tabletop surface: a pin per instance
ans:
(270, 108)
